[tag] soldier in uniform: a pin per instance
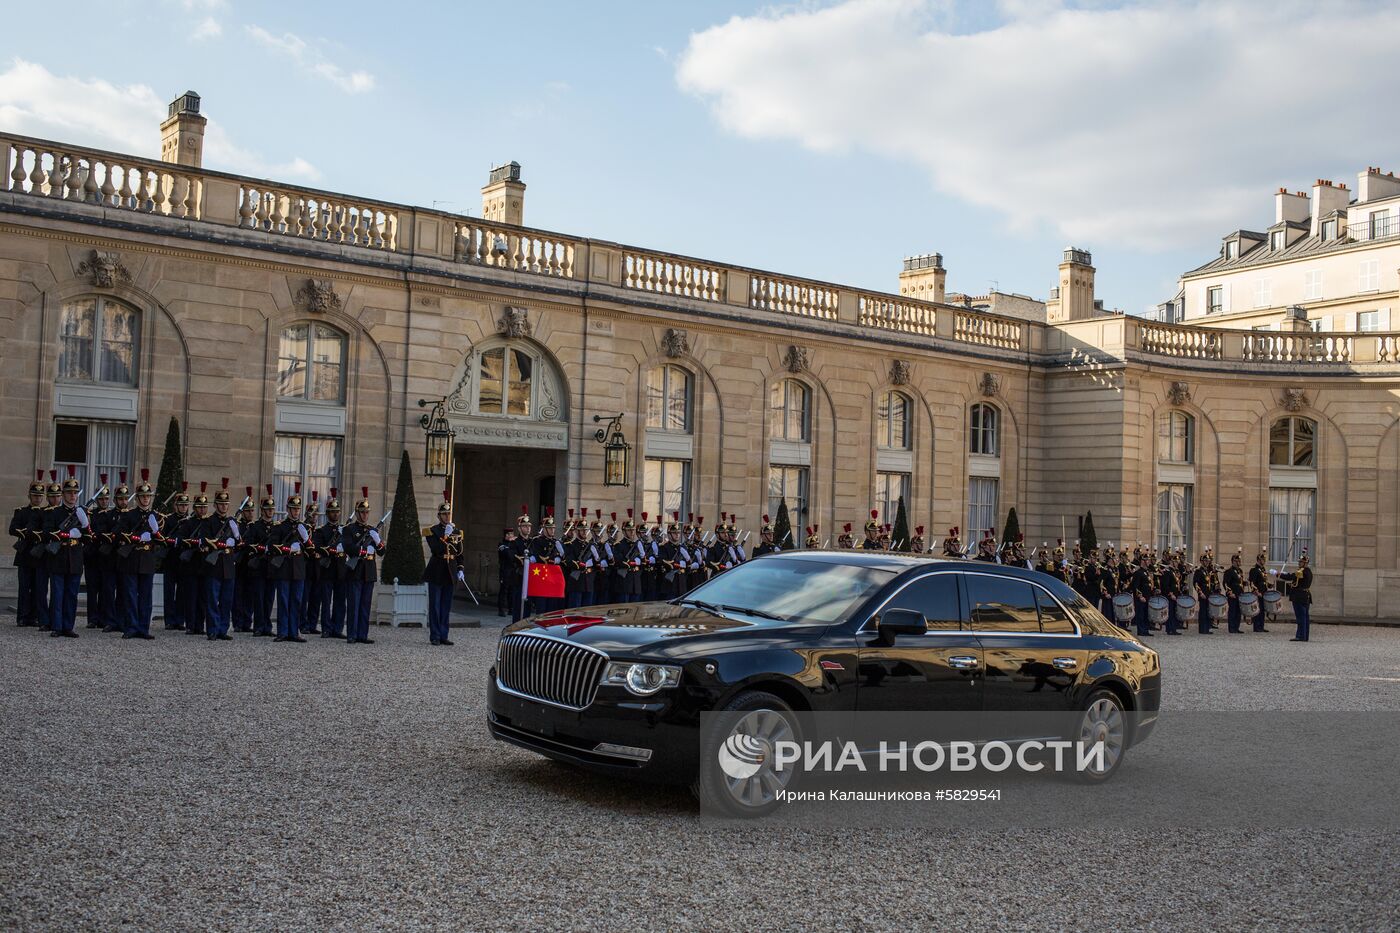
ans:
(765, 540)
(174, 584)
(1299, 584)
(311, 589)
(362, 544)
(99, 613)
(627, 564)
(1259, 583)
(520, 551)
(718, 557)
(1142, 592)
(952, 544)
(65, 525)
(242, 594)
(1234, 582)
(193, 568)
(444, 565)
(330, 571)
(916, 543)
(813, 539)
(259, 574)
(103, 554)
(545, 548)
(507, 580)
(577, 564)
(26, 561)
(671, 560)
(846, 540)
(53, 495)
(987, 548)
(138, 534)
(872, 532)
(1203, 583)
(286, 541)
(218, 534)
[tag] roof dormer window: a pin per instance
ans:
(1277, 240)
(1329, 230)
(1232, 249)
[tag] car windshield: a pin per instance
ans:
(792, 590)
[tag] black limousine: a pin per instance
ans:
(621, 688)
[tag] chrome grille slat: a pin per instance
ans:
(550, 670)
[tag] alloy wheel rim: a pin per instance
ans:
(769, 727)
(1103, 722)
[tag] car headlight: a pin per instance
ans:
(641, 679)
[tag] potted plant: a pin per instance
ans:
(402, 597)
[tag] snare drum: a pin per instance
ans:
(1219, 606)
(1186, 608)
(1249, 605)
(1123, 607)
(1157, 609)
(1273, 602)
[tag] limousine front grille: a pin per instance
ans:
(550, 670)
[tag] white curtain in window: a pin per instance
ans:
(1292, 514)
(981, 507)
(111, 450)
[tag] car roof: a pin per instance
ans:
(902, 563)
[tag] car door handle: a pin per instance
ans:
(1065, 664)
(963, 662)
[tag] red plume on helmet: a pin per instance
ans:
(184, 486)
(145, 475)
(248, 490)
(644, 516)
(364, 492)
(846, 528)
(203, 485)
(614, 516)
(314, 495)
(225, 483)
(72, 470)
(333, 491)
(296, 487)
(121, 477)
(874, 513)
(629, 513)
(598, 514)
(269, 488)
(765, 517)
(38, 476)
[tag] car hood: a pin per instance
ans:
(626, 629)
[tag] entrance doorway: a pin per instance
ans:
(492, 483)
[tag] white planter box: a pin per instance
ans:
(400, 605)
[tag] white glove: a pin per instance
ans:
(75, 534)
(588, 563)
(370, 550)
(461, 577)
(145, 536)
(229, 542)
(339, 549)
(155, 525)
(296, 547)
(301, 530)
(82, 516)
(374, 536)
(447, 529)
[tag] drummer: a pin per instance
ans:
(1203, 583)
(1142, 592)
(1169, 582)
(1234, 586)
(1259, 582)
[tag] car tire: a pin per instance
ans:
(1103, 717)
(758, 715)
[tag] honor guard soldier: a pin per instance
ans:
(261, 575)
(1142, 592)
(845, 540)
(872, 532)
(311, 590)
(94, 568)
(987, 548)
(609, 549)
(330, 571)
(286, 542)
(578, 563)
(813, 540)
(218, 534)
(138, 536)
(1299, 584)
(102, 554)
(194, 549)
(53, 495)
(545, 548)
(670, 561)
(765, 540)
(173, 584)
(505, 573)
(520, 551)
(25, 518)
(189, 585)
(916, 543)
(361, 543)
(444, 566)
(1203, 583)
(66, 525)
(242, 585)
(1259, 582)
(1235, 582)
(647, 540)
(627, 567)
(717, 555)
(952, 544)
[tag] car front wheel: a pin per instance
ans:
(738, 777)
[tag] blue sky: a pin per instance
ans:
(820, 139)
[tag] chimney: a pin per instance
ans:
(923, 277)
(182, 132)
(1076, 287)
(1373, 184)
(1327, 198)
(503, 198)
(1291, 207)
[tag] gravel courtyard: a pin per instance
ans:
(184, 784)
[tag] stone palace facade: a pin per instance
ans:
(292, 333)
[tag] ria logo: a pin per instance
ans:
(742, 755)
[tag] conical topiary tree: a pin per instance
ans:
(899, 535)
(1012, 530)
(782, 528)
(1088, 538)
(403, 548)
(172, 467)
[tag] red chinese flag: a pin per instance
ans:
(545, 581)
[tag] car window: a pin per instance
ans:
(794, 589)
(1001, 604)
(936, 596)
(1053, 617)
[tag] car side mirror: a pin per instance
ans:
(896, 622)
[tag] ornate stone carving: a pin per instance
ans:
(899, 372)
(317, 296)
(675, 343)
(514, 322)
(1294, 398)
(1179, 393)
(105, 269)
(990, 384)
(795, 359)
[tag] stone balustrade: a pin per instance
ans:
(58, 172)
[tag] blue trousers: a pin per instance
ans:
(1203, 617)
(360, 594)
(136, 593)
(243, 603)
(1259, 619)
(573, 599)
(1234, 617)
(311, 617)
(218, 596)
(1140, 617)
(63, 600)
(26, 605)
(289, 602)
(1173, 624)
(43, 598)
(263, 591)
(112, 617)
(194, 605)
(439, 610)
(1303, 613)
(97, 612)
(170, 587)
(332, 604)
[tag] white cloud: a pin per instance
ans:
(91, 112)
(1154, 125)
(208, 28)
(305, 57)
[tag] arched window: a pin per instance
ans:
(505, 382)
(99, 341)
(984, 430)
(311, 363)
(1176, 437)
(790, 411)
(1291, 442)
(669, 399)
(893, 421)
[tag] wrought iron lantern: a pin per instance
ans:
(440, 436)
(616, 451)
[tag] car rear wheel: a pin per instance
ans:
(737, 774)
(1103, 721)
